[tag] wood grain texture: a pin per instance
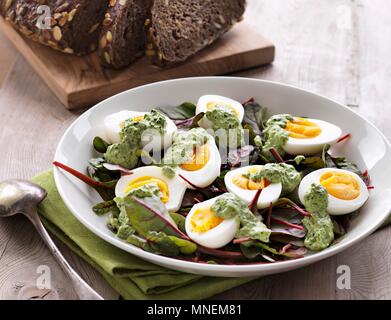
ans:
(339, 48)
(7, 58)
(82, 81)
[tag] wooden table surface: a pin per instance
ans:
(338, 48)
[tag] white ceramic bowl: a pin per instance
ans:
(368, 148)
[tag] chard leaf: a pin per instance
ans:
(286, 239)
(307, 163)
(254, 116)
(182, 112)
(185, 246)
(262, 247)
(100, 145)
(99, 173)
(189, 123)
(159, 242)
(147, 215)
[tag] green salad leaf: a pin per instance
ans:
(252, 249)
(254, 117)
(100, 145)
(148, 214)
(159, 242)
(184, 111)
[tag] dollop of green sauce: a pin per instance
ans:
(274, 135)
(169, 172)
(126, 153)
(276, 173)
(319, 226)
(229, 206)
(227, 121)
(146, 191)
(183, 146)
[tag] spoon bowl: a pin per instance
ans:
(19, 196)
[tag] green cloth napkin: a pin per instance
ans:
(131, 277)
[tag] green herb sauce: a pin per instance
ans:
(126, 152)
(146, 191)
(183, 146)
(229, 206)
(274, 135)
(276, 173)
(319, 226)
(169, 172)
(227, 121)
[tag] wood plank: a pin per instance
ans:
(81, 81)
(7, 57)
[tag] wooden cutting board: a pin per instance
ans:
(81, 81)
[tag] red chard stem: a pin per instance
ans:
(276, 155)
(80, 176)
(295, 226)
(345, 137)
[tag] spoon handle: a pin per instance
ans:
(82, 289)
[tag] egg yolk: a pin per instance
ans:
(142, 181)
(301, 128)
(340, 185)
(135, 119)
(212, 105)
(198, 160)
(204, 219)
(248, 184)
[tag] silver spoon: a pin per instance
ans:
(19, 196)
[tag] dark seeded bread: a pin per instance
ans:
(123, 37)
(181, 28)
(75, 24)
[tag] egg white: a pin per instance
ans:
(202, 107)
(112, 124)
(329, 135)
(268, 195)
(335, 206)
(209, 173)
(217, 237)
(176, 185)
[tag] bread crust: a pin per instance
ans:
(73, 26)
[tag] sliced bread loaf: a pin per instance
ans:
(123, 37)
(181, 28)
(74, 25)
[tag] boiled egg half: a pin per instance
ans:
(114, 123)
(239, 183)
(209, 102)
(172, 190)
(205, 228)
(347, 192)
(203, 168)
(309, 136)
